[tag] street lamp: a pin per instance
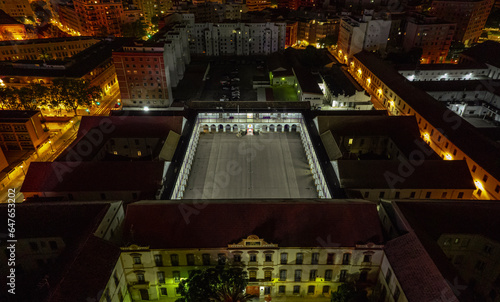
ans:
(23, 170)
(50, 143)
(73, 124)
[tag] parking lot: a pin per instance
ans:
(236, 75)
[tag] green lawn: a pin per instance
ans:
(285, 93)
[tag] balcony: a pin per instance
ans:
(140, 284)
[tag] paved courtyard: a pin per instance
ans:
(269, 165)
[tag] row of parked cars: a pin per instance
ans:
(230, 86)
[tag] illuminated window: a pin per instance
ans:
(350, 141)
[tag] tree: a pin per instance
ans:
(74, 93)
(135, 29)
(329, 40)
(231, 293)
(213, 284)
(6, 97)
(348, 292)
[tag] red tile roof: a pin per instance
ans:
(215, 225)
(93, 176)
(415, 271)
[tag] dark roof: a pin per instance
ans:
(89, 272)
(288, 224)
(17, 116)
(472, 85)
(306, 80)
(403, 130)
(75, 67)
(6, 19)
(446, 66)
(44, 41)
(119, 126)
(431, 174)
(243, 105)
(93, 176)
(486, 52)
(283, 73)
(478, 147)
(338, 83)
(415, 271)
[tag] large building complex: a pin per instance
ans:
(470, 17)
(99, 18)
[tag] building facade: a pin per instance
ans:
(21, 130)
(100, 18)
(432, 35)
(470, 17)
(237, 38)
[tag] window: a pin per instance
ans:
(346, 258)
(137, 259)
(412, 195)
(315, 258)
(326, 290)
(53, 245)
(330, 258)
(343, 275)
(163, 291)
(174, 258)
(284, 258)
(268, 275)
(310, 290)
(328, 275)
(312, 275)
(252, 275)
(428, 195)
(367, 258)
(298, 275)
(388, 276)
(253, 257)
(158, 260)
(177, 276)
(299, 259)
(487, 248)
(221, 259)
(497, 189)
(443, 195)
(296, 289)
(281, 289)
(381, 195)
(460, 195)
(363, 275)
(474, 168)
(397, 292)
(267, 290)
(206, 259)
(269, 257)
(140, 278)
(283, 273)
(161, 277)
(485, 178)
(237, 258)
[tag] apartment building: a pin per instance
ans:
(10, 28)
(257, 5)
(51, 49)
(432, 35)
(470, 17)
(21, 130)
(312, 31)
(100, 17)
(17, 9)
(366, 33)
(153, 8)
(307, 264)
(441, 128)
(236, 38)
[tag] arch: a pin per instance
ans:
(221, 127)
(271, 128)
(287, 128)
(213, 128)
(228, 127)
(279, 128)
(294, 128)
(205, 128)
(235, 128)
(263, 127)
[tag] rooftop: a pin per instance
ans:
(308, 223)
(481, 149)
(486, 52)
(17, 116)
(431, 174)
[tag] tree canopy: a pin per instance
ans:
(135, 29)
(213, 284)
(348, 292)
